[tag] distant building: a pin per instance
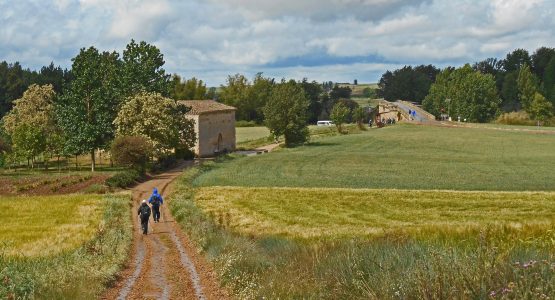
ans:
(355, 82)
(214, 126)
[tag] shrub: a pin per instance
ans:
(131, 151)
(515, 118)
(123, 179)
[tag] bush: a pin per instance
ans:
(164, 163)
(124, 179)
(243, 123)
(515, 118)
(131, 151)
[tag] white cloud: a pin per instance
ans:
(323, 39)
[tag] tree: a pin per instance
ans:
(142, 70)
(549, 81)
(369, 92)
(286, 113)
(88, 108)
(407, 83)
(526, 87)
(31, 122)
(540, 60)
(190, 89)
(359, 115)
(313, 92)
(472, 95)
(339, 92)
(162, 121)
(540, 109)
(509, 92)
(516, 59)
(339, 115)
(235, 93)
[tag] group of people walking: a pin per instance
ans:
(145, 210)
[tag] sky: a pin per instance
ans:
(322, 40)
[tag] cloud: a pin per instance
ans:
(325, 39)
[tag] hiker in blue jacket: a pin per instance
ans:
(156, 200)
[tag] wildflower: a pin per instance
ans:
(492, 294)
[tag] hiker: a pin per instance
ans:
(144, 215)
(156, 200)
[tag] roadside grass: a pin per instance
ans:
(43, 261)
(488, 262)
(324, 212)
(403, 156)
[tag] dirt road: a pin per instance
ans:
(164, 264)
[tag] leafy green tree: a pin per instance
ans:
(88, 108)
(235, 93)
(516, 59)
(540, 109)
(359, 115)
(540, 60)
(34, 111)
(339, 115)
(526, 87)
(313, 91)
(463, 92)
(142, 70)
(286, 113)
(369, 92)
(549, 81)
(162, 121)
(509, 92)
(340, 92)
(249, 98)
(190, 89)
(407, 83)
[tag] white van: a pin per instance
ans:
(325, 123)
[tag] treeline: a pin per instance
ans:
(250, 97)
(482, 91)
(103, 96)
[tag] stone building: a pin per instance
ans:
(214, 126)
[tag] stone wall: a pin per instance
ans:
(209, 127)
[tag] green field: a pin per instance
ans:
(404, 157)
(42, 226)
(245, 134)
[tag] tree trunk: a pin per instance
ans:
(92, 161)
(59, 167)
(76, 163)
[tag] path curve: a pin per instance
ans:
(164, 263)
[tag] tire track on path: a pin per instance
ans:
(164, 264)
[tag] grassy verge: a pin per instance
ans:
(485, 264)
(78, 273)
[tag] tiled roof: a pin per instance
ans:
(205, 106)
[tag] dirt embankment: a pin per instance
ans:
(164, 264)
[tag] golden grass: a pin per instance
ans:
(316, 212)
(47, 225)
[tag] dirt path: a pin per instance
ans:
(164, 263)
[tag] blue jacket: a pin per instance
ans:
(154, 194)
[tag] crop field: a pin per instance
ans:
(62, 247)
(46, 225)
(403, 157)
(43, 183)
(317, 212)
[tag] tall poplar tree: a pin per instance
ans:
(88, 108)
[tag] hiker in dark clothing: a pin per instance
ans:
(156, 200)
(144, 215)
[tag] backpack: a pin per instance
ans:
(156, 200)
(145, 211)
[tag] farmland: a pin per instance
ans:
(402, 212)
(62, 247)
(404, 157)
